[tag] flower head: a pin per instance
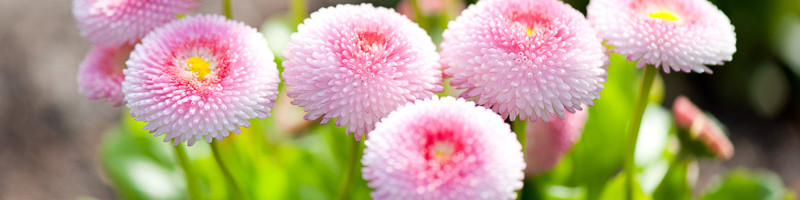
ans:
(701, 128)
(548, 142)
(443, 149)
(118, 22)
(357, 63)
(100, 75)
(679, 35)
(532, 59)
(200, 76)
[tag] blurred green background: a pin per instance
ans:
(58, 145)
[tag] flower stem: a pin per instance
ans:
(298, 12)
(347, 177)
(633, 127)
(226, 6)
(183, 160)
(518, 126)
(423, 23)
(225, 172)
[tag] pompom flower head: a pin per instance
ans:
(443, 149)
(118, 22)
(100, 75)
(527, 58)
(357, 63)
(200, 76)
(548, 142)
(676, 35)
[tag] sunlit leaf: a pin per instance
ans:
(602, 143)
(616, 189)
(675, 185)
(744, 184)
(139, 165)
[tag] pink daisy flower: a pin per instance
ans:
(200, 76)
(679, 35)
(701, 128)
(100, 75)
(532, 59)
(118, 22)
(443, 149)
(357, 63)
(546, 143)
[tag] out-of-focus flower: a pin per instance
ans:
(679, 35)
(701, 128)
(289, 118)
(100, 75)
(443, 149)
(546, 143)
(429, 7)
(357, 63)
(118, 22)
(200, 76)
(532, 59)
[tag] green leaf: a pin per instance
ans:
(790, 195)
(599, 153)
(542, 187)
(653, 135)
(616, 189)
(139, 165)
(675, 185)
(652, 157)
(744, 184)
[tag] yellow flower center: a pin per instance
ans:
(199, 67)
(536, 28)
(442, 151)
(666, 15)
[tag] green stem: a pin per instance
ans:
(633, 127)
(225, 172)
(183, 160)
(518, 126)
(423, 23)
(347, 177)
(298, 12)
(226, 6)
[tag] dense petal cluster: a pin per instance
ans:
(357, 63)
(701, 128)
(100, 74)
(532, 59)
(200, 76)
(443, 149)
(679, 35)
(546, 143)
(118, 22)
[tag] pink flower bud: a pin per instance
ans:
(688, 116)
